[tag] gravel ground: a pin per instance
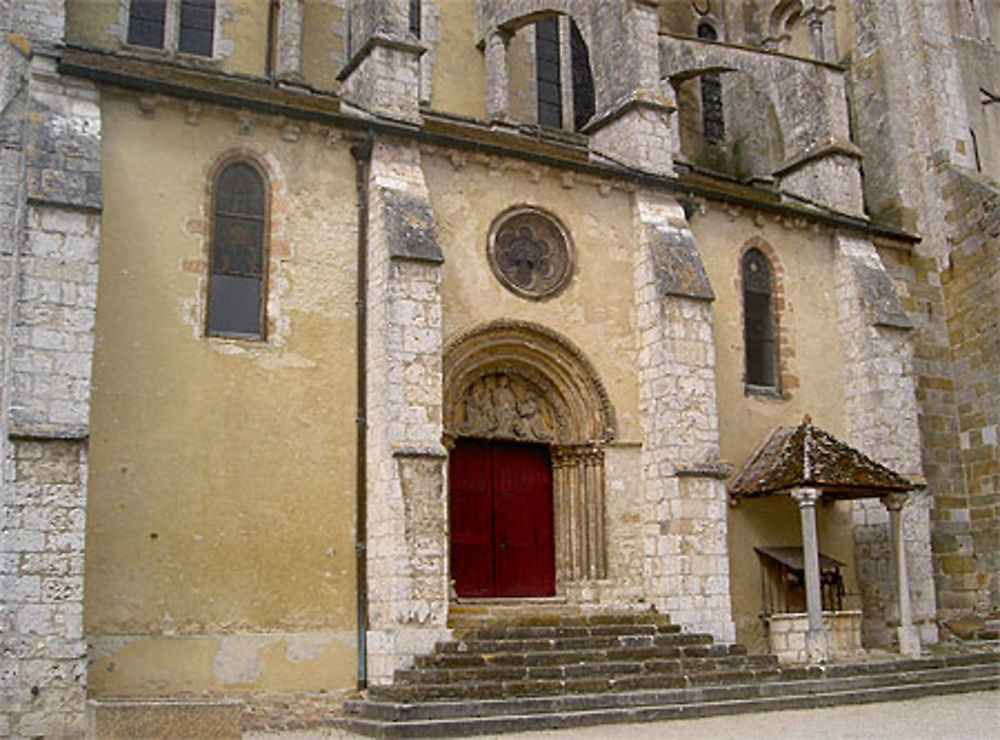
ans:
(956, 717)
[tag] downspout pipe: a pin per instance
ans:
(362, 152)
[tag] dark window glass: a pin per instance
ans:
(712, 118)
(758, 321)
(547, 67)
(583, 81)
(146, 22)
(197, 27)
(236, 289)
(415, 18)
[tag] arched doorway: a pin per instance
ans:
(526, 420)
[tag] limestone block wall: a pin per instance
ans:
(832, 180)
(911, 115)
(385, 80)
(881, 414)
(684, 511)
(967, 528)
(407, 509)
(40, 20)
(641, 135)
(787, 635)
(51, 228)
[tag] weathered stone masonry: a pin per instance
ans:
(50, 292)
(882, 422)
(684, 538)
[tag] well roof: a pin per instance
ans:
(809, 457)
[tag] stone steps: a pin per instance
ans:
(511, 670)
(485, 716)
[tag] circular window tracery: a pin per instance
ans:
(530, 253)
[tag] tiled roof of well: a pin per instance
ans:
(807, 456)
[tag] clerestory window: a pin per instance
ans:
(553, 104)
(238, 270)
(712, 117)
(187, 26)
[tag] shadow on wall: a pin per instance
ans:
(728, 126)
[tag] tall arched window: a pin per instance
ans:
(557, 105)
(712, 118)
(758, 321)
(238, 274)
(547, 72)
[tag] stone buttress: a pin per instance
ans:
(882, 421)
(50, 139)
(407, 505)
(685, 511)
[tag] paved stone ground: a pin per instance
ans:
(971, 716)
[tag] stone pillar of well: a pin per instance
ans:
(684, 511)
(817, 646)
(382, 74)
(908, 637)
(882, 422)
(50, 221)
(288, 61)
(407, 548)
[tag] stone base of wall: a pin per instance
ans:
(787, 635)
(161, 718)
(211, 715)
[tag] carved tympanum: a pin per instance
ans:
(530, 253)
(506, 406)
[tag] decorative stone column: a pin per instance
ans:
(817, 648)
(685, 510)
(288, 65)
(822, 31)
(909, 638)
(578, 490)
(497, 82)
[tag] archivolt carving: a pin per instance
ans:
(506, 405)
(549, 387)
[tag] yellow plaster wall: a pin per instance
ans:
(595, 311)
(809, 321)
(94, 23)
(322, 44)
(459, 76)
(221, 490)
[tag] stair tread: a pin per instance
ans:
(621, 683)
(588, 716)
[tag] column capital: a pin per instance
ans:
(895, 501)
(806, 496)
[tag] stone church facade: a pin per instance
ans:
(322, 317)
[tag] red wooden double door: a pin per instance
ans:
(501, 519)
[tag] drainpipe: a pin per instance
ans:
(272, 22)
(362, 152)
